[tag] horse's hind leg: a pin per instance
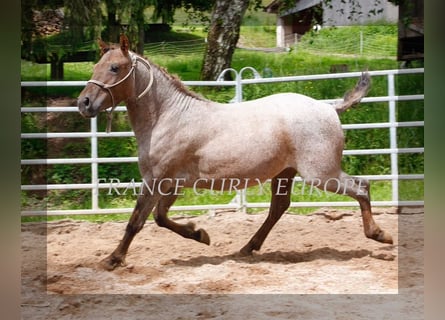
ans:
(144, 206)
(359, 189)
(185, 230)
(281, 192)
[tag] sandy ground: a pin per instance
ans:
(310, 267)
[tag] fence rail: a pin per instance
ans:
(240, 200)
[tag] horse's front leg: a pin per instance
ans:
(144, 206)
(186, 230)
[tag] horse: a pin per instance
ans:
(182, 136)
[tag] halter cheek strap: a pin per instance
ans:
(103, 86)
(107, 87)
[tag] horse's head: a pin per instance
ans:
(112, 80)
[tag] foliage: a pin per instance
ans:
(82, 22)
(166, 9)
(86, 20)
(83, 18)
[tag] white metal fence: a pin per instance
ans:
(240, 200)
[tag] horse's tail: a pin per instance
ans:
(354, 96)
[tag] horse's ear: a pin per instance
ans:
(124, 43)
(104, 47)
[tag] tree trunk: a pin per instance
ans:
(136, 32)
(28, 28)
(223, 36)
(141, 39)
(113, 27)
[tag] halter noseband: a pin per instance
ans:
(107, 87)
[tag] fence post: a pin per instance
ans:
(238, 97)
(393, 138)
(239, 84)
(239, 89)
(94, 165)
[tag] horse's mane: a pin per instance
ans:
(176, 81)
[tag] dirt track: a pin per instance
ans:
(168, 277)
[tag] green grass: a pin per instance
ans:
(370, 41)
(257, 37)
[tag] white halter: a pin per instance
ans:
(134, 59)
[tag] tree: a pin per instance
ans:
(222, 37)
(113, 26)
(135, 30)
(83, 18)
(28, 26)
(163, 10)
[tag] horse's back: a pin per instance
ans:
(292, 104)
(299, 111)
(312, 127)
(268, 134)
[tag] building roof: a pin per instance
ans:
(275, 6)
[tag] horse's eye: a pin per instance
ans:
(114, 68)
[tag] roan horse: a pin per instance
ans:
(184, 137)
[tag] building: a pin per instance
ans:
(295, 21)
(411, 32)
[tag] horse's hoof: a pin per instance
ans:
(110, 263)
(246, 251)
(383, 237)
(203, 237)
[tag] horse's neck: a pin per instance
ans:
(166, 99)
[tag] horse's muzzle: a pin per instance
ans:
(86, 108)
